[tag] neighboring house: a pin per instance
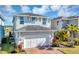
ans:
(8, 30)
(60, 22)
(1, 28)
(32, 30)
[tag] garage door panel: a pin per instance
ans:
(30, 43)
(33, 43)
(27, 43)
(43, 42)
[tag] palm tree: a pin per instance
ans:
(72, 28)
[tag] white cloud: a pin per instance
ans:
(9, 8)
(25, 9)
(64, 10)
(55, 7)
(41, 10)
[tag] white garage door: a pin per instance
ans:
(30, 43)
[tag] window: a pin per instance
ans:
(67, 21)
(57, 22)
(49, 20)
(40, 19)
(21, 20)
(33, 19)
(44, 21)
(27, 20)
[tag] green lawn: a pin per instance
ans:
(3, 52)
(70, 50)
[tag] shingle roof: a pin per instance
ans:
(73, 17)
(65, 17)
(31, 14)
(58, 18)
(33, 28)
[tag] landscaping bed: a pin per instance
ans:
(9, 48)
(74, 50)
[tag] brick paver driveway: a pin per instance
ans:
(42, 51)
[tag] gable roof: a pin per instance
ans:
(33, 28)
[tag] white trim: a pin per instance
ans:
(35, 31)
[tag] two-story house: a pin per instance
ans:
(60, 22)
(32, 30)
(1, 28)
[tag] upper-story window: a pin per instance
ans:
(21, 20)
(39, 19)
(27, 20)
(48, 20)
(33, 19)
(44, 21)
(57, 22)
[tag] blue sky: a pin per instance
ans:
(7, 11)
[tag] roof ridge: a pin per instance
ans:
(30, 14)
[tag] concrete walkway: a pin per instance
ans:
(42, 51)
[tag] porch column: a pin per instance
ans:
(78, 26)
(19, 36)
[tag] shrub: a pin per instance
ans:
(76, 41)
(19, 48)
(7, 47)
(55, 43)
(62, 35)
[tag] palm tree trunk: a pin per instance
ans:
(72, 39)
